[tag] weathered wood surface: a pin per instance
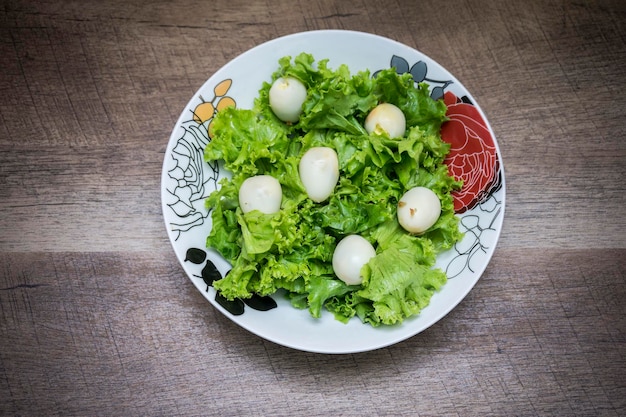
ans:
(98, 318)
(117, 333)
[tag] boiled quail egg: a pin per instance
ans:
(319, 172)
(262, 193)
(418, 209)
(351, 254)
(386, 118)
(286, 96)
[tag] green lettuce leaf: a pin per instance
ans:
(397, 286)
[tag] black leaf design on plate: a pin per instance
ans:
(400, 64)
(261, 303)
(210, 274)
(418, 71)
(234, 307)
(438, 91)
(195, 255)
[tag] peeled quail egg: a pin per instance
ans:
(261, 192)
(418, 209)
(319, 172)
(387, 118)
(286, 95)
(351, 253)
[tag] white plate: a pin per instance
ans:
(187, 180)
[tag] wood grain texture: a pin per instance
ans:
(91, 95)
(127, 333)
(98, 318)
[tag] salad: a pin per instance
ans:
(338, 197)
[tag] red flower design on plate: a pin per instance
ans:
(473, 156)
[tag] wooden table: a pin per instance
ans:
(97, 316)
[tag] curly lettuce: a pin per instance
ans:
(291, 250)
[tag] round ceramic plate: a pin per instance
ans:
(187, 180)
